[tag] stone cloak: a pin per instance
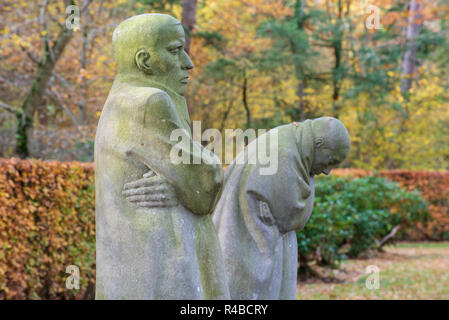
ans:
(153, 253)
(260, 260)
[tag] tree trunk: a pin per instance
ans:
(225, 115)
(245, 101)
(50, 55)
(409, 64)
(337, 45)
(300, 94)
(413, 29)
(336, 77)
(83, 86)
(188, 19)
(299, 72)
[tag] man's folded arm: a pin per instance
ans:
(196, 185)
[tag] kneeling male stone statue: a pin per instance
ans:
(258, 215)
(161, 245)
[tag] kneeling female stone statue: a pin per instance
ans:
(258, 215)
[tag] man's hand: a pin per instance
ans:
(150, 192)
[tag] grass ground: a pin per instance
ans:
(407, 271)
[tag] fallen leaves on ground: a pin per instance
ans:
(407, 271)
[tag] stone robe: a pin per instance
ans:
(261, 259)
(153, 253)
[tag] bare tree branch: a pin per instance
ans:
(93, 33)
(7, 108)
(86, 3)
(56, 98)
(30, 54)
(63, 81)
(43, 26)
(388, 237)
(15, 82)
(16, 28)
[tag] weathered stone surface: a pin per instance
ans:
(159, 245)
(258, 215)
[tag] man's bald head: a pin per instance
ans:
(141, 31)
(332, 143)
(151, 47)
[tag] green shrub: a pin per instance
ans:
(351, 216)
(433, 187)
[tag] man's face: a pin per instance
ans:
(169, 60)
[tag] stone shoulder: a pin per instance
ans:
(149, 104)
(139, 97)
(148, 95)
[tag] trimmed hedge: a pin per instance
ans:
(434, 188)
(47, 222)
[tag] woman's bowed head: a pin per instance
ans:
(331, 144)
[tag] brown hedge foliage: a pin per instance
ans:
(47, 222)
(433, 186)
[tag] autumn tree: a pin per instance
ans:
(51, 51)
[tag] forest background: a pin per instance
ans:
(380, 66)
